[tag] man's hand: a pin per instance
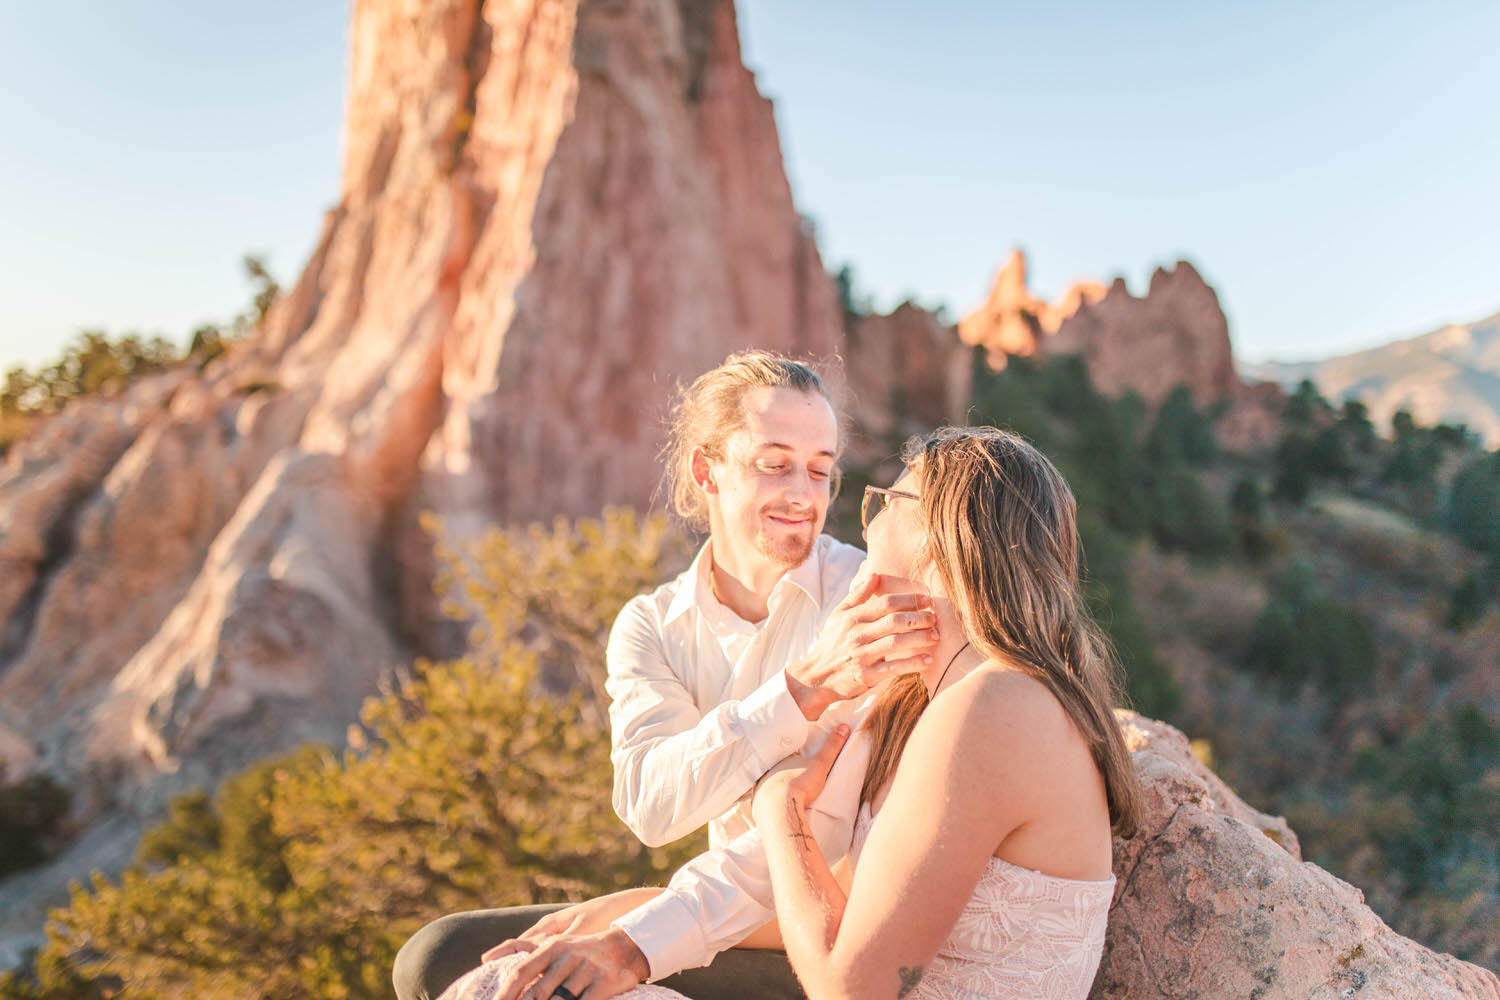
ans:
(869, 638)
(598, 965)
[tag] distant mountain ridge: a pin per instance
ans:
(1451, 375)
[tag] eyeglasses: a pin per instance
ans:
(877, 500)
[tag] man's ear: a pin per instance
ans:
(703, 473)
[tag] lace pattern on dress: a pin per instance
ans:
(1022, 934)
(484, 983)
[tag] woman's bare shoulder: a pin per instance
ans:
(994, 729)
(1007, 690)
(1001, 698)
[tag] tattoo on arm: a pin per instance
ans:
(910, 977)
(799, 831)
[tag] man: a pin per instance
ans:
(714, 677)
(722, 672)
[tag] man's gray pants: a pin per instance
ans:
(450, 946)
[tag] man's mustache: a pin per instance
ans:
(805, 514)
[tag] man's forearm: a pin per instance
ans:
(707, 766)
(713, 902)
(600, 912)
(806, 682)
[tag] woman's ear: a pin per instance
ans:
(703, 473)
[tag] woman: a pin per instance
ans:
(981, 859)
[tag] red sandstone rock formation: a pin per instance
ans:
(1176, 334)
(1213, 900)
(550, 211)
(1014, 323)
(905, 372)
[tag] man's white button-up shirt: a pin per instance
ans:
(722, 895)
(700, 707)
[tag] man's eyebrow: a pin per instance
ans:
(787, 447)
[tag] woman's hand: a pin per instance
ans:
(799, 783)
(588, 917)
(589, 966)
(564, 921)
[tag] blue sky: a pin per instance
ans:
(148, 145)
(1333, 169)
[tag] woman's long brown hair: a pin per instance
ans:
(1002, 534)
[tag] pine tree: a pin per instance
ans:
(465, 785)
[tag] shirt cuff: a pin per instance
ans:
(668, 934)
(772, 722)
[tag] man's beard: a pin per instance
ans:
(790, 550)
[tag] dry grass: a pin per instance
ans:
(1378, 540)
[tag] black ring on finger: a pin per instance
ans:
(564, 992)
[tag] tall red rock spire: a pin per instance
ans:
(550, 211)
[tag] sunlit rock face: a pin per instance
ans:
(1214, 900)
(550, 212)
(1012, 322)
(1175, 334)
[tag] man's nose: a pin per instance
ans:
(799, 488)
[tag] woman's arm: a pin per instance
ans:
(589, 917)
(967, 779)
(809, 899)
(713, 902)
(768, 936)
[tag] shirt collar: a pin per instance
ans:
(691, 585)
(696, 589)
(808, 577)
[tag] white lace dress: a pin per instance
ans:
(1022, 935)
(484, 984)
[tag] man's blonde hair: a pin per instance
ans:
(709, 410)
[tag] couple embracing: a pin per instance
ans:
(907, 760)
